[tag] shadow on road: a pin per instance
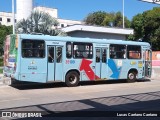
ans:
(140, 104)
(31, 85)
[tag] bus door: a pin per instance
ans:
(54, 63)
(101, 63)
(148, 63)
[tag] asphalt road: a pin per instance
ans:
(89, 98)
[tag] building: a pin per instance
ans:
(6, 18)
(65, 22)
(75, 28)
(98, 32)
(54, 13)
(51, 11)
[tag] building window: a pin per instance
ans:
(15, 21)
(33, 49)
(0, 19)
(8, 20)
(62, 25)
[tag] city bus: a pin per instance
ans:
(44, 58)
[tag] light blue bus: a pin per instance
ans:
(44, 58)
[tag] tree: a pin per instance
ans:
(116, 20)
(106, 19)
(147, 27)
(137, 25)
(39, 22)
(4, 31)
(109, 19)
(95, 18)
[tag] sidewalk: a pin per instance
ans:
(4, 80)
(1, 79)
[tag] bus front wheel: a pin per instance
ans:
(72, 79)
(131, 77)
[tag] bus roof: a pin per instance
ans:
(73, 39)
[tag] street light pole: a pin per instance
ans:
(123, 14)
(13, 17)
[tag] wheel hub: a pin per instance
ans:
(72, 79)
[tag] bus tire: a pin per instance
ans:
(13, 82)
(72, 79)
(131, 77)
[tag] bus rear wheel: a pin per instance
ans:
(131, 77)
(72, 79)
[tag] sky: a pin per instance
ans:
(79, 9)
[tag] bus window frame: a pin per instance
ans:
(82, 43)
(124, 54)
(33, 49)
(134, 52)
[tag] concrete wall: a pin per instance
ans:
(156, 65)
(156, 72)
(85, 34)
(156, 58)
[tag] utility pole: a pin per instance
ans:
(13, 17)
(123, 14)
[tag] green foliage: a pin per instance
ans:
(1, 70)
(95, 18)
(147, 27)
(109, 19)
(106, 19)
(39, 22)
(137, 25)
(1, 61)
(4, 31)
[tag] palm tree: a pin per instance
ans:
(39, 22)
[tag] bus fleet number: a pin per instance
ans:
(70, 61)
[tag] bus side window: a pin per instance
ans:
(82, 50)
(134, 52)
(33, 48)
(117, 51)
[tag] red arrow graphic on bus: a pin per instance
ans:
(85, 65)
